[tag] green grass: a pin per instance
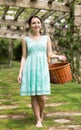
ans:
(68, 94)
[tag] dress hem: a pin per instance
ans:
(35, 94)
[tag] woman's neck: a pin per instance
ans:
(35, 34)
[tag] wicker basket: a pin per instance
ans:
(60, 73)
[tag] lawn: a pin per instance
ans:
(16, 113)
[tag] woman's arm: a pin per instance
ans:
(22, 60)
(50, 52)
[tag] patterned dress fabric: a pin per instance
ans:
(35, 74)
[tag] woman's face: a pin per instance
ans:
(35, 24)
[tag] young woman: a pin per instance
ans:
(34, 73)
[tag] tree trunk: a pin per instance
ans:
(10, 49)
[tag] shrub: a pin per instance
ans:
(17, 50)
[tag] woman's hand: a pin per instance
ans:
(62, 57)
(19, 78)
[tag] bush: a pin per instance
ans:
(17, 50)
(3, 50)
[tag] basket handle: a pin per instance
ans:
(59, 59)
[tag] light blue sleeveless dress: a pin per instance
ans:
(35, 75)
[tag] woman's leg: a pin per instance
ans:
(42, 101)
(36, 110)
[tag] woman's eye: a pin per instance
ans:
(33, 23)
(36, 23)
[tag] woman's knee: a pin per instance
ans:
(43, 98)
